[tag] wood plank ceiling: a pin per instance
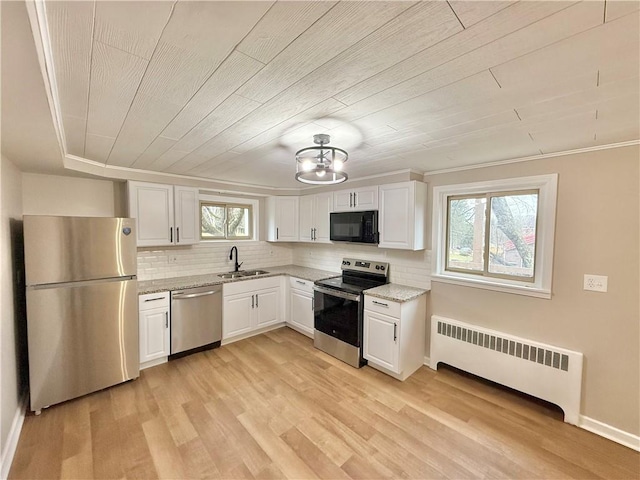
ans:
(230, 90)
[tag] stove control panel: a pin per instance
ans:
(365, 266)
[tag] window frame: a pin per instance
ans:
(540, 284)
(230, 202)
(488, 196)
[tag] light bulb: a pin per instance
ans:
(307, 165)
(337, 165)
(320, 173)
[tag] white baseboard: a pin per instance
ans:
(612, 433)
(253, 333)
(13, 437)
(427, 361)
(153, 363)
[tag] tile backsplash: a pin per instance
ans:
(406, 267)
(208, 257)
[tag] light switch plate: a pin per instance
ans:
(595, 283)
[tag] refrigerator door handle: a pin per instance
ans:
(83, 283)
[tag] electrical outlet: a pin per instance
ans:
(271, 253)
(595, 283)
(173, 259)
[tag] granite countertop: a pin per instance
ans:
(395, 292)
(193, 281)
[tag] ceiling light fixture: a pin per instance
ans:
(321, 165)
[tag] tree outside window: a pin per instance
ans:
(225, 221)
(493, 234)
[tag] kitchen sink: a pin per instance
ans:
(231, 275)
(253, 273)
(246, 273)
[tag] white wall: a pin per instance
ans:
(12, 320)
(73, 196)
(597, 232)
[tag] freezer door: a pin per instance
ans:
(69, 249)
(82, 338)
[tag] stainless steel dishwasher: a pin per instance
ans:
(196, 319)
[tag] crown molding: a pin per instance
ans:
(533, 157)
(115, 172)
(40, 31)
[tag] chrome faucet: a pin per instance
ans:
(236, 265)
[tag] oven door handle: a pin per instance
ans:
(337, 293)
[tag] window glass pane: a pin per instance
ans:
(512, 236)
(212, 221)
(466, 234)
(239, 221)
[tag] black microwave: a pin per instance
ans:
(358, 227)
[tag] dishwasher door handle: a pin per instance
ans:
(194, 295)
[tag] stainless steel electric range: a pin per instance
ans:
(338, 308)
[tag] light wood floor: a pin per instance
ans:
(272, 406)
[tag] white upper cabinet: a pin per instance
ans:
(314, 217)
(402, 222)
(282, 219)
(306, 218)
(165, 215)
(187, 215)
(358, 199)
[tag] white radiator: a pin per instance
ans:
(544, 371)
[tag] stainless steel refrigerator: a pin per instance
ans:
(82, 305)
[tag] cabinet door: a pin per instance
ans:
(287, 219)
(267, 307)
(306, 218)
(154, 334)
(322, 207)
(152, 206)
(381, 340)
(396, 215)
(342, 201)
(237, 312)
(302, 310)
(187, 215)
(366, 198)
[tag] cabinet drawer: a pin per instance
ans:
(150, 301)
(300, 284)
(375, 304)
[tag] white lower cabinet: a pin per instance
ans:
(381, 340)
(301, 306)
(238, 314)
(154, 322)
(394, 335)
(267, 307)
(250, 305)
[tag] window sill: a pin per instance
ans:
(529, 291)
